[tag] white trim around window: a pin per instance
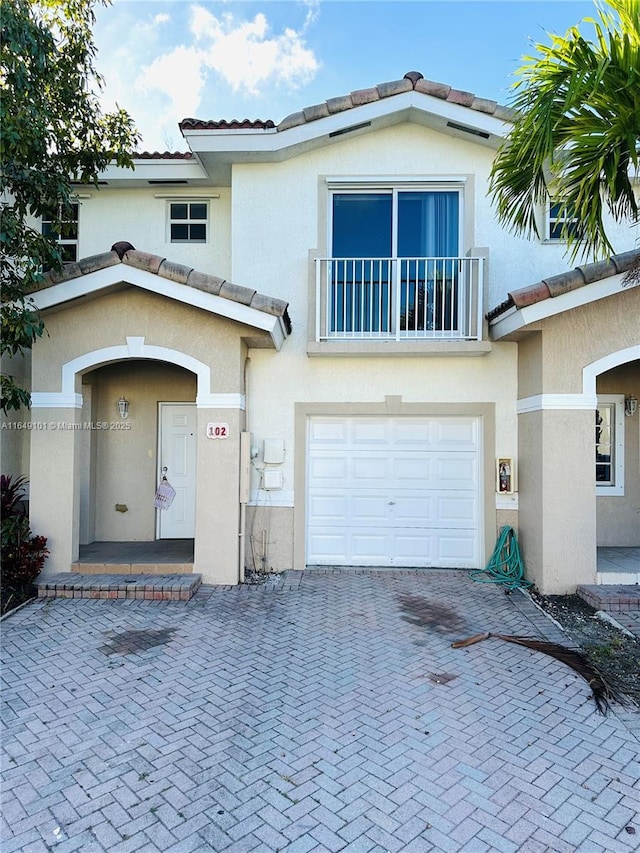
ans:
(611, 410)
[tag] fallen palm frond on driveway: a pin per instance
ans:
(603, 692)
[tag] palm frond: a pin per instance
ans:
(603, 692)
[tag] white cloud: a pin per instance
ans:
(244, 53)
(161, 77)
(179, 75)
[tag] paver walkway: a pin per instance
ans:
(324, 711)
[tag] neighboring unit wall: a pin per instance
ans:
(559, 515)
(109, 215)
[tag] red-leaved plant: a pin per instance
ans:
(23, 555)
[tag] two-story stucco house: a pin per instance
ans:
(334, 353)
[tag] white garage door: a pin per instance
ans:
(394, 492)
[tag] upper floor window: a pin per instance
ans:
(62, 226)
(560, 222)
(395, 223)
(188, 221)
(395, 269)
(610, 445)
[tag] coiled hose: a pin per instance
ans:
(505, 567)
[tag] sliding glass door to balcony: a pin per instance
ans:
(394, 269)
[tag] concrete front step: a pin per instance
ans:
(614, 598)
(166, 587)
(122, 568)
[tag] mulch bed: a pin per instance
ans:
(615, 655)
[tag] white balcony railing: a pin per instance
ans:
(399, 298)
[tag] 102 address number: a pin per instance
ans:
(217, 430)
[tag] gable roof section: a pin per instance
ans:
(412, 81)
(218, 144)
(159, 275)
(579, 286)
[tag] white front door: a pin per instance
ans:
(386, 491)
(177, 462)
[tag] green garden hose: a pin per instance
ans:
(505, 566)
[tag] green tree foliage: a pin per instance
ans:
(576, 136)
(52, 132)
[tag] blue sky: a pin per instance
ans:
(167, 60)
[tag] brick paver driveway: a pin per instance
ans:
(326, 711)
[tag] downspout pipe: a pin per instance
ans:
(244, 486)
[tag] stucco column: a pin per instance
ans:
(557, 498)
(54, 502)
(217, 497)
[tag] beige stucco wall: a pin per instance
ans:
(126, 465)
(588, 332)
(110, 319)
(557, 511)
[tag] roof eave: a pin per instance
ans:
(108, 276)
(514, 320)
(412, 105)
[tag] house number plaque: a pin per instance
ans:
(217, 430)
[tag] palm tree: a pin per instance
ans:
(576, 134)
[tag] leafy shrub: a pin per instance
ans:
(23, 555)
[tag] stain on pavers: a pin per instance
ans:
(425, 613)
(441, 677)
(135, 642)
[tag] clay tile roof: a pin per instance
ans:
(224, 124)
(123, 252)
(162, 155)
(556, 285)
(412, 80)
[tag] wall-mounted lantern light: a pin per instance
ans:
(630, 405)
(123, 407)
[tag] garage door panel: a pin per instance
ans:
(456, 545)
(366, 470)
(327, 549)
(328, 468)
(456, 434)
(366, 510)
(455, 470)
(456, 511)
(330, 507)
(411, 433)
(370, 432)
(409, 469)
(328, 431)
(413, 548)
(369, 546)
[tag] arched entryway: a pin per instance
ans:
(123, 460)
(94, 474)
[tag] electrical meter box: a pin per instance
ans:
(271, 480)
(273, 451)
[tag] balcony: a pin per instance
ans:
(400, 300)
